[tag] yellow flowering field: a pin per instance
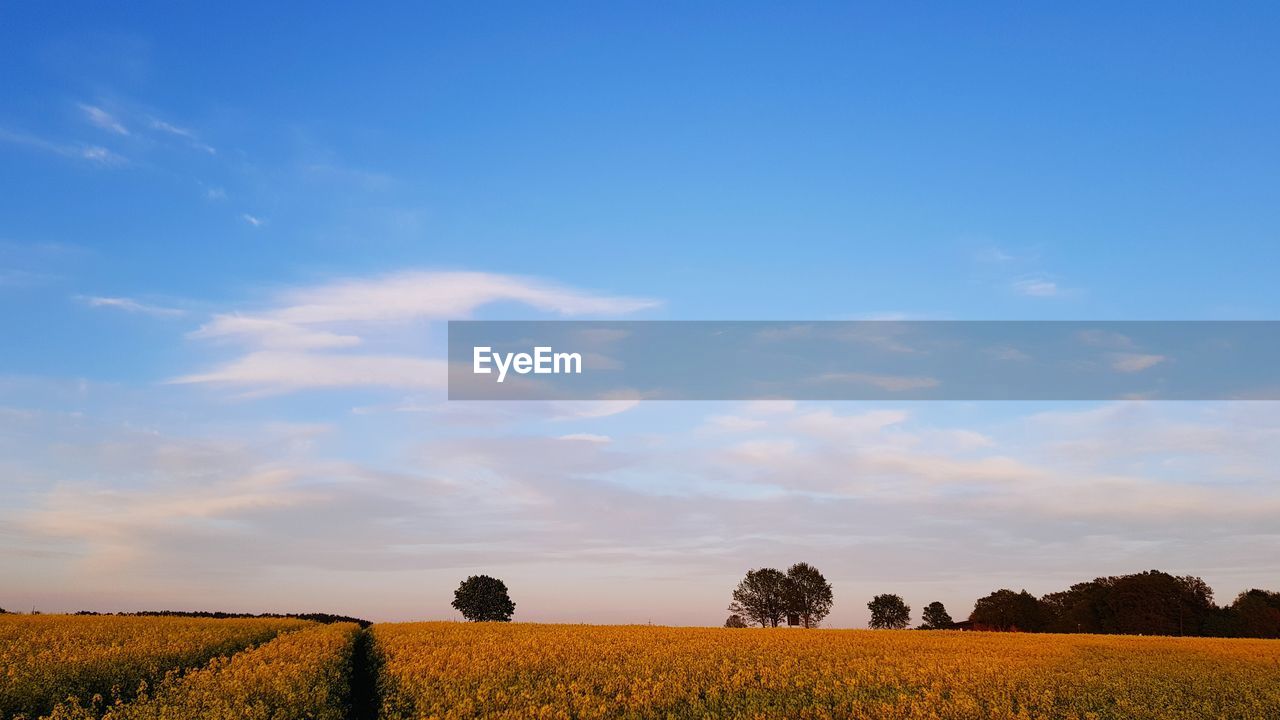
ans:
(453, 670)
(46, 659)
(303, 674)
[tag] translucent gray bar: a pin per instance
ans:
(864, 360)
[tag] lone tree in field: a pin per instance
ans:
(735, 621)
(936, 617)
(889, 612)
(808, 594)
(761, 597)
(481, 598)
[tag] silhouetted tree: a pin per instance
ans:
(1156, 603)
(808, 594)
(735, 621)
(936, 617)
(1009, 610)
(889, 612)
(761, 597)
(1078, 609)
(1257, 614)
(481, 598)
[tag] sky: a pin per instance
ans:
(231, 236)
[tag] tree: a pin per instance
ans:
(889, 612)
(1080, 608)
(935, 617)
(808, 594)
(481, 598)
(1257, 614)
(1156, 603)
(1009, 610)
(761, 597)
(735, 621)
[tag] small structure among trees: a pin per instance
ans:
(889, 612)
(481, 598)
(767, 597)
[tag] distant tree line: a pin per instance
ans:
(1145, 603)
(325, 618)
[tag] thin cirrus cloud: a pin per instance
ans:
(292, 344)
(183, 133)
(92, 153)
(1135, 362)
(278, 372)
(1037, 287)
(103, 119)
(132, 306)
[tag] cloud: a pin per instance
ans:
(133, 306)
(1135, 362)
(185, 134)
(91, 153)
(586, 437)
(254, 221)
(993, 254)
(383, 313)
(412, 295)
(1037, 287)
(889, 383)
(271, 333)
(1007, 353)
(103, 119)
(272, 372)
(949, 512)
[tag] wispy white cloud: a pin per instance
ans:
(1135, 362)
(133, 306)
(586, 437)
(890, 383)
(185, 134)
(252, 220)
(993, 254)
(272, 333)
(347, 313)
(1037, 287)
(103, 119)
(92, 153)
(272, 372)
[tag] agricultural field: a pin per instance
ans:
(46, 659)
(445, 670)
(170, 668)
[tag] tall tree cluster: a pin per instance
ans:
(767, 597)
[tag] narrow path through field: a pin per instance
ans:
(364, 678)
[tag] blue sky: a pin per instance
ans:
(171, 172)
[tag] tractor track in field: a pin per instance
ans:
(364, 679)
